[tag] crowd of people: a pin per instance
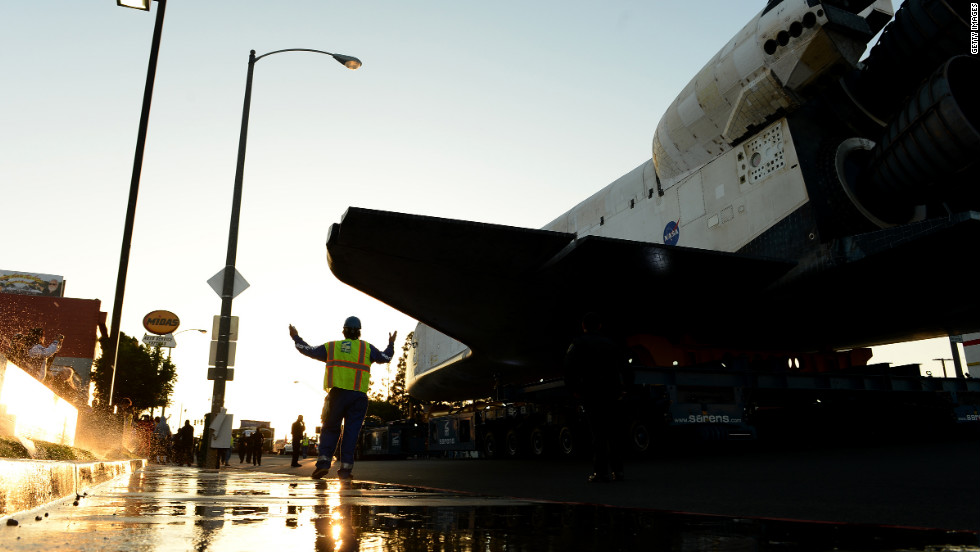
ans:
(154, 440)
(249, 445)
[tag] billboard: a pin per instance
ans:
(32, 283)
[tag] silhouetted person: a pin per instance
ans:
(298, 429)
(160, 439)
(184, 444)
(347, 377)
(256, 440)
(598, 374)
(242, 445)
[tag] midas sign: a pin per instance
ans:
(161, 322)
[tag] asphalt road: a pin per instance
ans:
(922, 484)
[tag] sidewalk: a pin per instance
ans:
(28, 484)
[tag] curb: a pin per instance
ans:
(28, 484)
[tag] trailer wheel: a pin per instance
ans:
(490, 445)
(511, 443)
(639, 438)
(536, 442)
(566, 441)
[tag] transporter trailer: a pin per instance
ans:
(713, 403)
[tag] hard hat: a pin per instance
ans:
(352, 322)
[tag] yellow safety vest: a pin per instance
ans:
(348, 365)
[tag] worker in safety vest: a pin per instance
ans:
(346, 379)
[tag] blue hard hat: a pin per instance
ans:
(353, 323)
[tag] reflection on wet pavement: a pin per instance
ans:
(169, 508)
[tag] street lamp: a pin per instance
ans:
(137, 4)
(228, 287)
(134, 184)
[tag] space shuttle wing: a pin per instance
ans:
(512, 293)
(466, 279)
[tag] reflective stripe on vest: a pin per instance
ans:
(348, 365)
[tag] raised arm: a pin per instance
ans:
(317, 353)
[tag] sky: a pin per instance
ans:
(505, 112)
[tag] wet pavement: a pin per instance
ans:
(276, 507)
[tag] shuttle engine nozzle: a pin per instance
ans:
(923, 35)
(927, 153)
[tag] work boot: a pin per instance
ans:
(344, 473)
(322, 467)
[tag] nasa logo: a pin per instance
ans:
(672, 233)
(161, 322)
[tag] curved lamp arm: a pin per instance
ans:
(349, 62)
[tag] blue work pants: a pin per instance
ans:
(349, 407)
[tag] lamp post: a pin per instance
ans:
(134, 184)
(228, 286)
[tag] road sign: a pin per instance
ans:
(233, 327)
(217, 283)
(159, 340)
(214, 353)
(213, 374)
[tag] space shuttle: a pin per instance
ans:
(799, 206)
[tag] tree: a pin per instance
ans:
(399, 395)
(143, 374)
(399, 403)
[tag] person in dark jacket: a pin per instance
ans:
(598, 374)
(242, 444)
(184, 444)
(298, 429)
(256, 440)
